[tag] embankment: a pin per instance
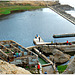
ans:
(63, 14)
(8, 10)
(19, 6)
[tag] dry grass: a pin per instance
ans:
(34, 3)
(7, 7)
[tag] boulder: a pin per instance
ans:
(59, 57)
(6, 68)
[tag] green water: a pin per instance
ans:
(42, 61)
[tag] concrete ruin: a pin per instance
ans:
(9, 47)
(71, 67)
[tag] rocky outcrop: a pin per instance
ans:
(59, 57)
(6, 68)
(71, 67)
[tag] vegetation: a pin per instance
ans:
(8, 10)
(6, 52)
(4, 1)
(6, 7)
(32, 69)
(42, 61)
(61, 68)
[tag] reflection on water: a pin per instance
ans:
(22, 27)
(48, 10)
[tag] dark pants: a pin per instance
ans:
(8, 60)
(38, 71)
(51, 43)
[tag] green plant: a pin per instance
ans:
(6, 52)
(27, 5)
(61, 68)
(5, 12)
(4, 1)
(27, 67)
(12, 50)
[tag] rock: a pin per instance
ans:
(6, 68)
(71, 67)
(59, 57)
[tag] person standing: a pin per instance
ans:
(8, 58)
(67, 42)
(51, 42)
(70, 43)
(14, 54)
(17, 54)
(37, 35)
(38, 67)
(39, 39)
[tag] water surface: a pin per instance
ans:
(22, 27)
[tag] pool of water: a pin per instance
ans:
(23, 26)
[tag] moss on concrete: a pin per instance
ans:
(61, 68)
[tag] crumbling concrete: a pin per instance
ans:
(71, 67)
(59, 57)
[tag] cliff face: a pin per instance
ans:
(6, 68)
